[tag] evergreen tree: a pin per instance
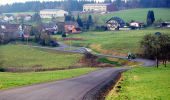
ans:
(79, 21)
(73, 19)
(89, 22)
(36, 18)
(150, 17)
(68, 18)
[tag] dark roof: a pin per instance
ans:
(119, 20)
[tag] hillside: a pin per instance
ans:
(138, 14)
(117, 41)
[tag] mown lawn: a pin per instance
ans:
(28, 57)
(11, 80)
(144, 84)
(118, 41)
(138, 14)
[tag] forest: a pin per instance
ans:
(77, 5)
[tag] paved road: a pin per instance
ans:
(66, 48)
(69, 89)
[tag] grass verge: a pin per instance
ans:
(143, 84)
(11, 80)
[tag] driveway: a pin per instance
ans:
(69, 89)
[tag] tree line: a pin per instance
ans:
(75, 5)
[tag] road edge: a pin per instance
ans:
(97, 92)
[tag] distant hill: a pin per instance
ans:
(138, 14)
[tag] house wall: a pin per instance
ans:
(98, 7)
(54, 13)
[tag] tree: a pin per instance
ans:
(36, 18)
(90, 20)
(150, 17)
(79, 21)
(45, 38)
(67, 18)
(73, 19)
(34, 30)
(107, 1)
(156, 47)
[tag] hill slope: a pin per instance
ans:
(138, 14)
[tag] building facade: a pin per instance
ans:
(98, 7)
(50, 13)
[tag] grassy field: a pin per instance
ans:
(27, 57)
(117, 41)
(144, 84)
(135, 14)
(11, 80)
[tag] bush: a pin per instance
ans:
(53, 43)
(2, 69)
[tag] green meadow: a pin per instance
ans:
(118, 41)
(20, 56)
(144, 84)
(138, 14)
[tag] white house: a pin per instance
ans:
(106, 7)
(136, 24)
(8, 18)
(49, 13)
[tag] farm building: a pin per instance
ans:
(71, 27)
(98, 7)
(50, 13)
(115, 23)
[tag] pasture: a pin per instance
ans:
(20, 56)
(138, 14)
(143, 84)
(108, 42)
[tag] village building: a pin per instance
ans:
(16, 30)
(108, 7)
(71, 27)
(115, 23)
(26, 17)
(165, 24)
(136, 25)
(8, 17)
(50, 28)
(50, 13)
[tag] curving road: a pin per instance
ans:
(65, 48)
(69, 89)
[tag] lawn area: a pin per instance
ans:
(11, 80)
(144, 84)
(138, 14)
(117, 41)
(27, 57)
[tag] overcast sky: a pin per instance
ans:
(2, 2)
